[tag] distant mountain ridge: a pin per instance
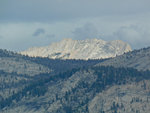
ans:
(80, 49)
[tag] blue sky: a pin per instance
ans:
(29, 23)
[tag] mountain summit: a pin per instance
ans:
(80, 49)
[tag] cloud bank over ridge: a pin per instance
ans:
(29, 23)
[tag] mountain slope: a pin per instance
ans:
(22, 73)
(87, 91)
(80, 49)
(12, 62)
(16, 72)
(128, 98)
(139, 59)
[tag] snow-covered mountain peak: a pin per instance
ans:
(80, 49)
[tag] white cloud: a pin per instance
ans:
(116, 19)
(86, 31)
(137, 35)
(19, 36)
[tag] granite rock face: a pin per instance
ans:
(80, 49)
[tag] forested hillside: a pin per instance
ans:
(54, 65)
(138, 59)
(76, 86)
(73, 91)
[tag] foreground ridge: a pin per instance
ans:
(75, 86)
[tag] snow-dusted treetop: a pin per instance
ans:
(80, 49)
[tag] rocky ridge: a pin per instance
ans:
(80, 49)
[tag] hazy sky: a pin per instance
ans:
(29, 23)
